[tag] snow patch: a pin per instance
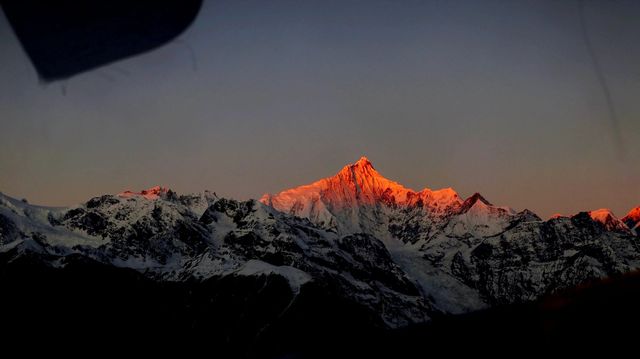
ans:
(295, 276)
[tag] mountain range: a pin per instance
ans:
(354, 247)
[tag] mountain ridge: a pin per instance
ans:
(334, 192)
(362, 182)
(400, 257)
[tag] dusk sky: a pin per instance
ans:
(496, 97)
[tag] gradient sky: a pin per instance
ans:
(497, 97)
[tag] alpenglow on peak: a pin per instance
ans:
(355, 186)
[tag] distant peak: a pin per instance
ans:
(529, 215)
(633, 215)
(149, 193)
(602, 213)
(478, 197)
(606, 217)
(357, 184)
(471, 201)
(155, 189)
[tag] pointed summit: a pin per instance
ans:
(476, 198)
(610, 222)
(361, 168)
(632, 219)
(356, 186)
(363, 162)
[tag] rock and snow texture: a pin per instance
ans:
(170, 239)
(400, 254)
(610, 222)
(632, 220)
(466, 254)
(353, 200)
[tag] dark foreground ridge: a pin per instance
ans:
(88, 306)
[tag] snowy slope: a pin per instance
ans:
(169, 238)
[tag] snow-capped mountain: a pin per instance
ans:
(356, 198)
(465, 254)
(632, 220)
(400, 256)
(610, 222)
(170, 238)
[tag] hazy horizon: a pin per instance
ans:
(496, 97)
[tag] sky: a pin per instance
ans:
(496, 97)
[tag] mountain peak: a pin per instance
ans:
(361, 168)
(601, 214)
(634, 214)
(632, 219)
(606, 217)
(478, 197)
(355, 185)
(149, 193)
(558, 215)
(474, 199)
(363, 162)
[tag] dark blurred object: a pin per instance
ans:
(64, 38)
